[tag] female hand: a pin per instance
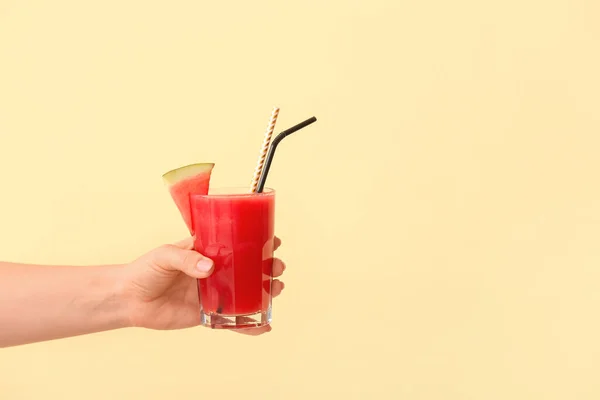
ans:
(161, 291)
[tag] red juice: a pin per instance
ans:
(236, 230)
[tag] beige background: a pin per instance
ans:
(441, 221)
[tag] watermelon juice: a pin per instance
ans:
(236, 230)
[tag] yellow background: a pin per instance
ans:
(441, 221)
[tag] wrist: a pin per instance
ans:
(115, 303)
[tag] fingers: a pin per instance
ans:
(187, 243)
(181, 257)
(190, 262)
(254, 331)
(278, 267)
(277, 287)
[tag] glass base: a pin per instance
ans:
(222, 321)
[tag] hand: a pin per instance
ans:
(161, 289)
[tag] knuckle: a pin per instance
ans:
(189, 259)
(165, 248)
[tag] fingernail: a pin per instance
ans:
(205, 265)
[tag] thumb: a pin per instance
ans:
(187, 243)
(190, 262)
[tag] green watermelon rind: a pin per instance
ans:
(189, 171)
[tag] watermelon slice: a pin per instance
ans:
(191, 179)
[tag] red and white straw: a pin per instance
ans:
(264, 149)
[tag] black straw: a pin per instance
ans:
(273, 147)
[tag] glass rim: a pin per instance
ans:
(233, 191)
